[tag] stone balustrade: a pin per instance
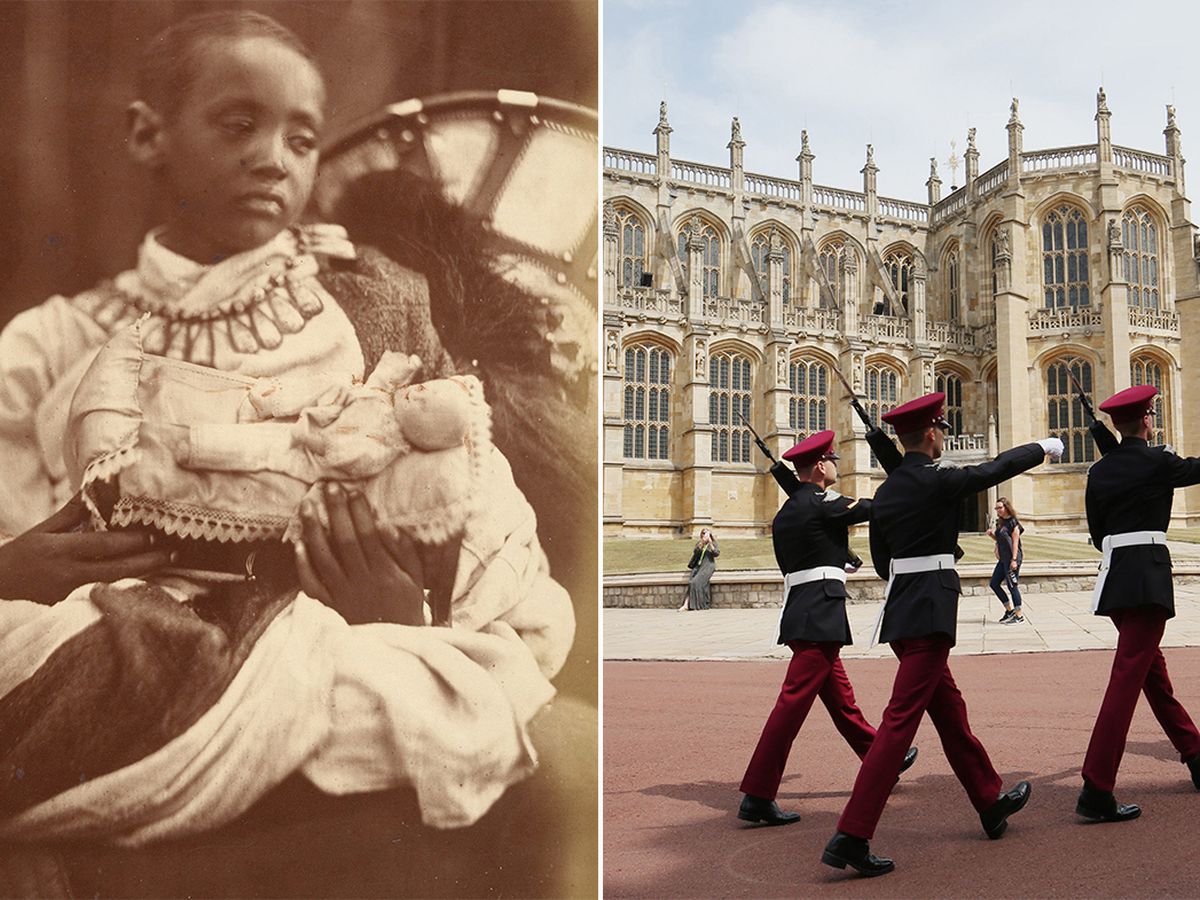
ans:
(630, 161)
(1082, 156)
(1141, 161)
(763, 588)
(735, 311)
(650, 300)
(698, 173)
(1068, 319)
(765, 186)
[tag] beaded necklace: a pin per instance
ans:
(261, 311)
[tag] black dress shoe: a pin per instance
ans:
(846, 850)
(759, 809)
(1193, 765)
(995, 817)
(1101, 806)
(909, 758)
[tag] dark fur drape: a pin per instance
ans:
(542, 421)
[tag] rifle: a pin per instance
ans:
(884, 447)
(1105, 439)
(784, 476)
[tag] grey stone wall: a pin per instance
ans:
(742, 590)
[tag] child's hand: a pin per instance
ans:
(53, 558)
(366, 572)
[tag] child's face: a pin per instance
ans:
(240, 155)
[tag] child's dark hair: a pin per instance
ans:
(171, 60)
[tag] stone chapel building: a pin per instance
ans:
(728, 293)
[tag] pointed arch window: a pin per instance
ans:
(899, 267)
(829, 261)
(729, 389)
(1146, 369)
(883, 391)
(1139, 234)
(1064, 413)
(710, 259)
(808, 408)
(1065, 259)
(953, 303)
(951, 385)
(647, 402)
(760, 248)
(631, 247)
(993, 282)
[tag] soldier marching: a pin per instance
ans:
(913, 536)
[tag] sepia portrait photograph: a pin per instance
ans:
(298, 448)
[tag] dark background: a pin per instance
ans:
(74, 208)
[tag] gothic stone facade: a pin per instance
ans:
(729, 294)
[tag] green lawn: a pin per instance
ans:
(629, 556)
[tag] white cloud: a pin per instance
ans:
(906, 77)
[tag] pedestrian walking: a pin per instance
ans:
(1009, 555)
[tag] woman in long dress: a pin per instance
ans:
(703, 564)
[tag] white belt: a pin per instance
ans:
(909, 565)
(804, 576)
(1125, 539)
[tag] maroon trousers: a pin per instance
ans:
(923, 683)
(815, 671)
(1138, 667)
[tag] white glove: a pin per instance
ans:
(1052, 447)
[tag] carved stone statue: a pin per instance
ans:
(1171, 115)
(611, 353)
(970, 138)
(781, 368)
(1012, 110)
(1002, 248)
(736, 129)
(1114, 235)
(870, 155)
(662, 112)
(701, 360)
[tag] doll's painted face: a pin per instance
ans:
(239, 156)
(433, 415)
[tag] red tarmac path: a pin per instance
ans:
(678, 735)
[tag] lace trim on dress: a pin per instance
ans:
(189, 521)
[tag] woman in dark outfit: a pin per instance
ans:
(1009, 553)
(703, 564)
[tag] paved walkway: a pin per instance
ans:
(1054, 622)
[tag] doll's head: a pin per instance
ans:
(433, 415)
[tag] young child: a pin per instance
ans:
(229, 694)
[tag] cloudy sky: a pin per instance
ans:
(908, 77)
